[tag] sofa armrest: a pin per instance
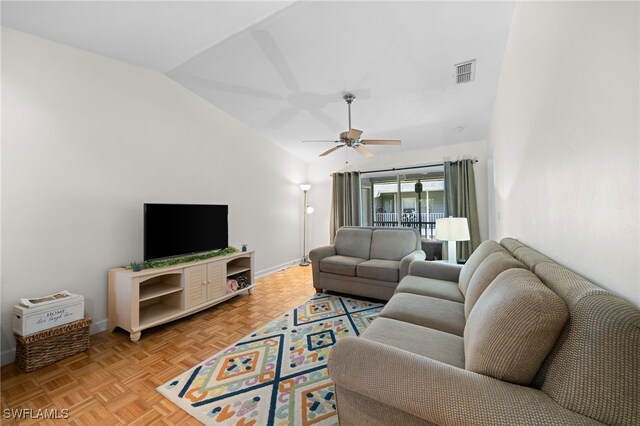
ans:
(316, 255)
(319, 253)
(438, 392)
(406, 261)
(436, 270)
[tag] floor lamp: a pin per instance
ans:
(452, 229)
(307, 210)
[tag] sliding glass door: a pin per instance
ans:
(413, 199)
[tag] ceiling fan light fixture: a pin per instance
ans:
(349, 98)
(351, 138)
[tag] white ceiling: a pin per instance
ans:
(282, 67)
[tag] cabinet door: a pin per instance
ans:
(195, 285)
(216, 282)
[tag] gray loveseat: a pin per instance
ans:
(510, 338)
(366, 261)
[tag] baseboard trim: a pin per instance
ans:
(98, 327)
(277, 268)
(8, 357)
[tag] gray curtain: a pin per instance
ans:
(460, 201)
(345, 201)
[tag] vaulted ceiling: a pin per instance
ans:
(283, 67)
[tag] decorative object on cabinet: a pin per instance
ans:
(152, 264)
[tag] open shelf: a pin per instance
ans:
(159, 285)
(159, 289)
(234, 269)
(239, 265)
(157, 313)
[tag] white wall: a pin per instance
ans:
(565, 138)
(86, 140)
(319, 177)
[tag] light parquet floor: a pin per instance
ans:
(114, 382)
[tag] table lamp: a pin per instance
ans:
(452, 229)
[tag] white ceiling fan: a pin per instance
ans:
(351, 138)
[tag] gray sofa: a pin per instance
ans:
(366, 261)
(510, 338)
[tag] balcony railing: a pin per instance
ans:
(425, 221)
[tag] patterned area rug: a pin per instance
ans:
(277, 375)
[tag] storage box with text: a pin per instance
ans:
(32, 320)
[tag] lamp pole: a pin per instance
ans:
(305, 259)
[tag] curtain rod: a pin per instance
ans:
(407, 168)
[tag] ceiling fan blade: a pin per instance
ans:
(395, 142)
(323, 141)
(329, 151)
(354, 134)
(275, 56)
(325, 119)
(281, 118)
(234, 88)
(364, 151)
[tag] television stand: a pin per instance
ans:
(147, 298)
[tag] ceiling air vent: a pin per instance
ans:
(465, 72)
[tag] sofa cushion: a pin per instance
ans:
(354, 242)
(512, 327)
(341, 265)
(393, 244)
(427, 342)
(530, 257)
(376, 269)
(495, 264)
(439, 314)
(511, 244)
(430, 287)
(444, 271)
(484, 249)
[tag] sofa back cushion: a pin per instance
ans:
(511, 244)
(594, 367)
(481, 253)
(512, 327)
(495, 264)
(353, 242)
(528, 256)
(393, 244)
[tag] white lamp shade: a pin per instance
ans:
(452, 229)
(305, 186)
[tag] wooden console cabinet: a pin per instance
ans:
(139, 300)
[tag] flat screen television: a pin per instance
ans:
(172, 230)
